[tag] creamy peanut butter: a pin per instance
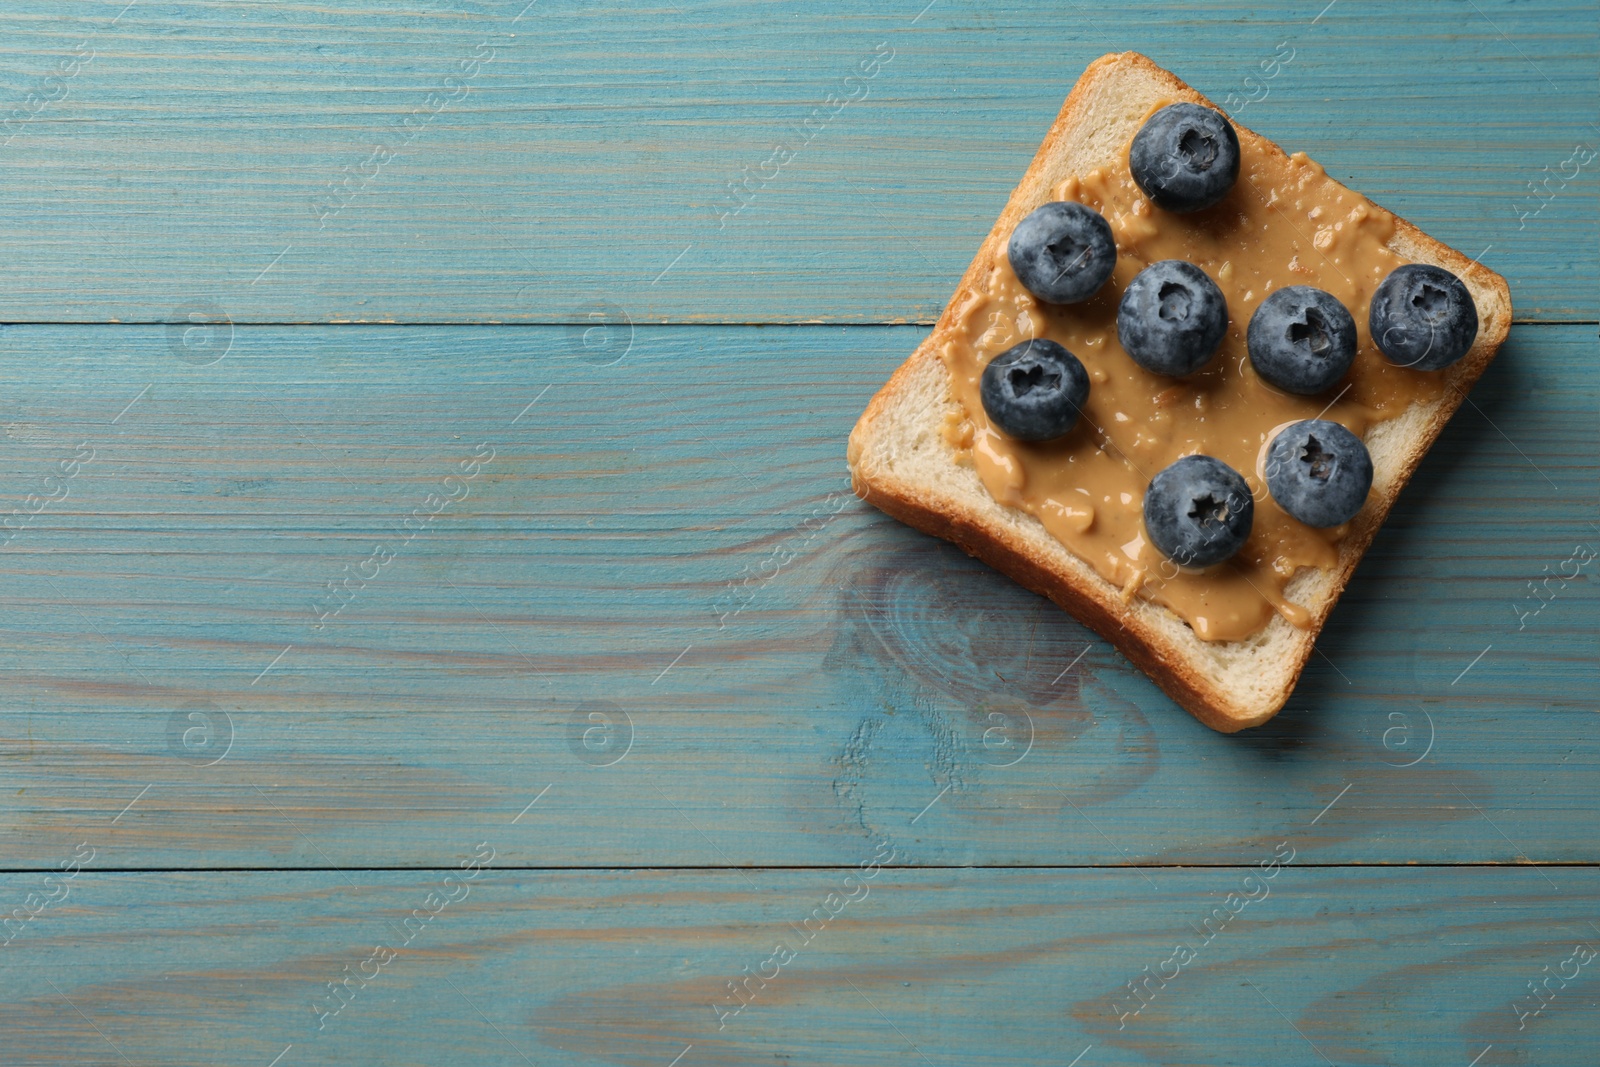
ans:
(1284, 223)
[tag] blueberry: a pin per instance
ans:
(1172, 318)
(1185, 158)
(1063, 252)
(1301, 339)
(1034, 391)
(1422, 317)
(1319, 472)
(1198, 511)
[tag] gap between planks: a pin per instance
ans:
(701, 868)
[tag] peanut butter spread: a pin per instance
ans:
(1283, 223)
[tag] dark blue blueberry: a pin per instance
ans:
(1423, 317)
(1063, 252)
(1172, 318)
(1198, 511)
(1185, 158)
(1301, 339)
(1034, 391)
(1319, 472)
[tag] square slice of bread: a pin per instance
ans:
(901, 463)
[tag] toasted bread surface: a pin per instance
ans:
(901, 462)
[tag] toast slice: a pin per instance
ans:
(902, 463)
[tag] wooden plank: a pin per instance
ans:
(666, 541)
(223, 154)
(1414, 966)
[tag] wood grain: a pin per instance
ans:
(665, 542)
(1029, 967)
(540, 169)
(280, 603)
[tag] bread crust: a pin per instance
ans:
(1130, 625)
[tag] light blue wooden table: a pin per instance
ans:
(437, 630)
